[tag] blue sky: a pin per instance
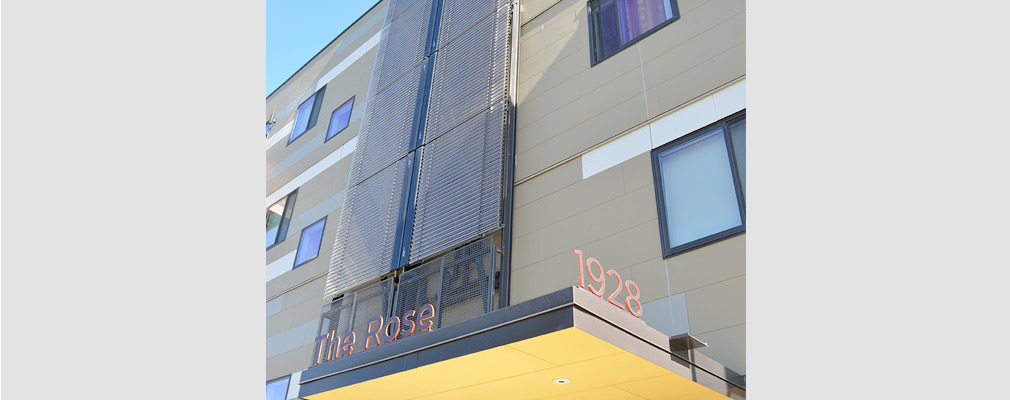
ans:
(298, 29)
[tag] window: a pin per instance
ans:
(701, 184)
(277, 389)
(308, 112)
(278, 217)
(617, 24)
(340, 118)
(269, 124)
(308, 245)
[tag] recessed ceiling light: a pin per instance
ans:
(562, 381)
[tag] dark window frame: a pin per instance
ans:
(328, 137)
(282, 229)
(302, 237)
(595, 40)
(317, 104)
(657, 181)
(286, 386)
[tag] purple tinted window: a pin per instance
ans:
(619, 22)
(340, 118)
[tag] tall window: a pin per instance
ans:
(278, 217)
(277, 389)
(701, 185)
(308, 245)
(617, 24)
(308, 113)
(340, 118)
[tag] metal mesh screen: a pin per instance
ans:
(459, 284)
(459, 185)
(363, 246)
(368, 303)
(351, 313)
(402, 45)
(418, 287)
(466, 282)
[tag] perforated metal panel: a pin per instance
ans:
(363, 246)
(418, 286)
(351, 314)
(370, 302)
(459, 185)
(467, 288)
(470, 74)
(402, 46)
(459, 284)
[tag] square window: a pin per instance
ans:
(617, 24)
(340, 119)
(308, 245)
(308, 113)
(700, 186)
(277, 389)
(278, 217)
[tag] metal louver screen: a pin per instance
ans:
(351, 314)
(396, 7)
(384, 136)
(459, 185)
(363, 246)
(470, 74)
(460, 15)
(402, 45)
(450, 107)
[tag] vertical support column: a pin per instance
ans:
(510, 160)
(438, 300)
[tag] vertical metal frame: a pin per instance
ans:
(392, 297)
(731, 153)
(657, 181)
(509, 162)
(438, 300)
(489, 305)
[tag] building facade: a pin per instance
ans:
(467, 197)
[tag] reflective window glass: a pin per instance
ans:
(308, 246)
(340, 119)
(701, 180)
(278, 217)
(278, 389)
